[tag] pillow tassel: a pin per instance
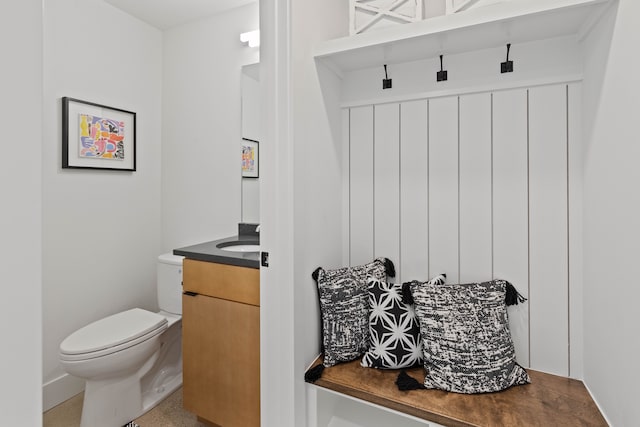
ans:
(388, 265)
(512, 296)
(315, 273)
(406, 382)
(407, 298)
(439, 279)
(314, 374)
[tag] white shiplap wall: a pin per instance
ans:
(478, 186)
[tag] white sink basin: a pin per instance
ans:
(241, 248)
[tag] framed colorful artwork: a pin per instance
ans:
(95, 136)
(250, 158)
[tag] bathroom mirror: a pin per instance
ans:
(251, 135)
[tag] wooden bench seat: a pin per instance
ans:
(549, 400)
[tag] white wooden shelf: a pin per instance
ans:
(514, 21)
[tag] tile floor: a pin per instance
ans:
(168, 413)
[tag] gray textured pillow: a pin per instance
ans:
(344, 308)
(467, 344)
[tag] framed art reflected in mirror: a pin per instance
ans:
(250, 158)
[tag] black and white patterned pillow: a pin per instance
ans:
(466, 339)
(344, 308)
(393, 328)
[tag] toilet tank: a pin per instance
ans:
(170, 283)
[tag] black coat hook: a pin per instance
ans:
(507, 66)
(386, 82)
(442, 74)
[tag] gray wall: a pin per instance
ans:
(611, 212)
(20, 216)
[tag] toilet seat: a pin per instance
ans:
(112, 334)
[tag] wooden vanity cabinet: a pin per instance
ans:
(221, 343)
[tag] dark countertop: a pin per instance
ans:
(209, 252)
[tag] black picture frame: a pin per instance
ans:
(95, 136)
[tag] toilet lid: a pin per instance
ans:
(112, 331)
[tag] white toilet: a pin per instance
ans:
(131, 360)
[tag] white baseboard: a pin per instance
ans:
(62, 388)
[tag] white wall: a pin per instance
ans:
(475, 186)
(612, 214)
(277, 374)
(201, 126)
(300, 177)
(21, 213)
(101, 229)
(317, 160)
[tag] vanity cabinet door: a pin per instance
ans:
(240, 284)
(221, 358)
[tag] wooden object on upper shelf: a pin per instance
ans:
(549, 400)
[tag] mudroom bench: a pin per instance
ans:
(549, 400)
